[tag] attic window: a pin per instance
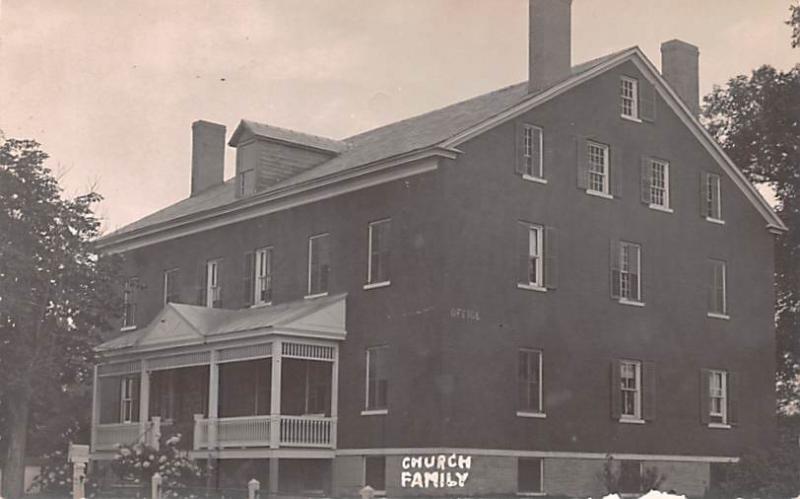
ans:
(629, 98)
(246, 182)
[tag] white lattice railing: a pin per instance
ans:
(256, 431)
(307, 431)
(109, 436)
(247, 431)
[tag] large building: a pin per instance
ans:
(490, 298)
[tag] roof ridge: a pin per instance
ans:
(436, 110)
(291, 130)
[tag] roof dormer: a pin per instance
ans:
(266, 155)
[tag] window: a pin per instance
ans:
(263, 273)
(530, 475)
(377, 379)
(630, 477)
(529, 381)
(246, 180)
(718, 396)
(532, 262)
(630, 375)
(532, 151)
(378, 262)
(171, 286)
(597, 157)
(625, 272)
(213, 288)
(629, 97)
(318, 264)
(129, 292)
(717, 298)
(129, 396)
(375, 473)
(712, 205)
(659, 184)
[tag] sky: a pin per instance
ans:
(110, 88)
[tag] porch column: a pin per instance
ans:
(274, 469)
(95, 405)
(334, 394)
(275, 404)
(144, 398)
(213, 399)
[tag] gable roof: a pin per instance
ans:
(437, 131)
(179, 324)
(249, 128)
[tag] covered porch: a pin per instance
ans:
(225, 380)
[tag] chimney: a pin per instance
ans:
(550, 45)
(680, 67)
(208, 155)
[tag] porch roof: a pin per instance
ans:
(179, 324)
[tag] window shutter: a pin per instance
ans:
(324, 263)
(616, 395)
(550, 258)
(649, 393)
(202, 280)
(135, 402)
(519, 147)
(647, 101)
(711, 282)
(733, 399)
(523, 230)
(387, 253)
(248, 277)
(221, 289)
(613, 260)
(705, 399)
(637, 283)
(703, 194)
(647, 180)
(582, 162)
(615, 170)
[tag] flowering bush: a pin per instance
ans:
(138, 463)
(55, 477)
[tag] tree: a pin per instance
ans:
(56, 295)
(756, 119)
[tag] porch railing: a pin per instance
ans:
(256, 431)
(109, 436)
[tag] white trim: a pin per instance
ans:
(630, 118)
(631, 303)
(374, 412)
(540, 148)
(720, 426)
(531, 287)
(714, 315)
(637, 401)
(599, 194)
(128, 328)
(538, 180)
(258, 205)
(527, 414)
(660, 208)
(317, 295)
(539, 355)
(715, 221)
(370, 226)
(632, 420)
(376, 285)
(634, 116)
(392, 451)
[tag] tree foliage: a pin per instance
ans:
(56, 295)
(756, 119)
